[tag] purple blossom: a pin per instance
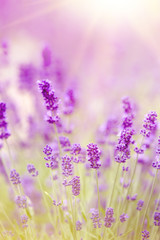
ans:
(76, 149)
(145, 235)
(21, 201)
(96, 218)
(150, 124)
(64, 141)
(127, 105)
(14, 177)
(67, 166)
(122, 149)
(24, 220)
(32, 170)
(78, 225)
(156, 164)
(139, 150)
(123, 217)
(134, 197)
(93, 155)
(53, 163)
(140, 205)
(125, 168)
(4, 134)
(51, 101)
(109, 219)
(157, 218)
(158, 147)
(47, 150)
(75, 185)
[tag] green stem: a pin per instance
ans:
(149, 199)
(114, 184)
(99, 206)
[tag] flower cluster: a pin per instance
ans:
(75, 185)
(51, 157)
(93, 155)
(157, 218)
(24, 220)
(32, 170)
(109, 219)
(140, 205)
(78, 225)
(123, 217)
(145, 235)
(4, 134)
(95, 218)
(67, 166)
(122, 150)
(51, 100)
(150, 124)
(21, 201)
(14, 177)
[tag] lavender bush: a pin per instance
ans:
(63, 178)
(62, 188)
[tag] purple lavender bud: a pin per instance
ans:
(14, 177)
(139, 150)
(47, 150)
(24, 220)
(134, 197)
(109, 219)
(4, 134)
(150, 124)
(78, 225)
(127, 105)
(67, 166)
(140, 205)
(57, 203)
(157, 218)
(156, 164)
(53, 163)
(158, 147)
(21, 201)
(123, 217)
(76, 149)
(145, 235)
(64, 141)
(95, 218)
(52, 119)
(51, 101)
(32, 170)
(93, 155)
(122, 149)
(127, 122)
(75, 185)
(125, 169)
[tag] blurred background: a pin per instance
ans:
(108, 48)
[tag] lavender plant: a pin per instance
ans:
(65, 188)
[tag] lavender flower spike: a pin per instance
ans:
(14, 177)
(93, 155)
(4, 134)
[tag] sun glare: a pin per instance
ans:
(119, 9)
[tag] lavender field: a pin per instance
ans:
(79, 120)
